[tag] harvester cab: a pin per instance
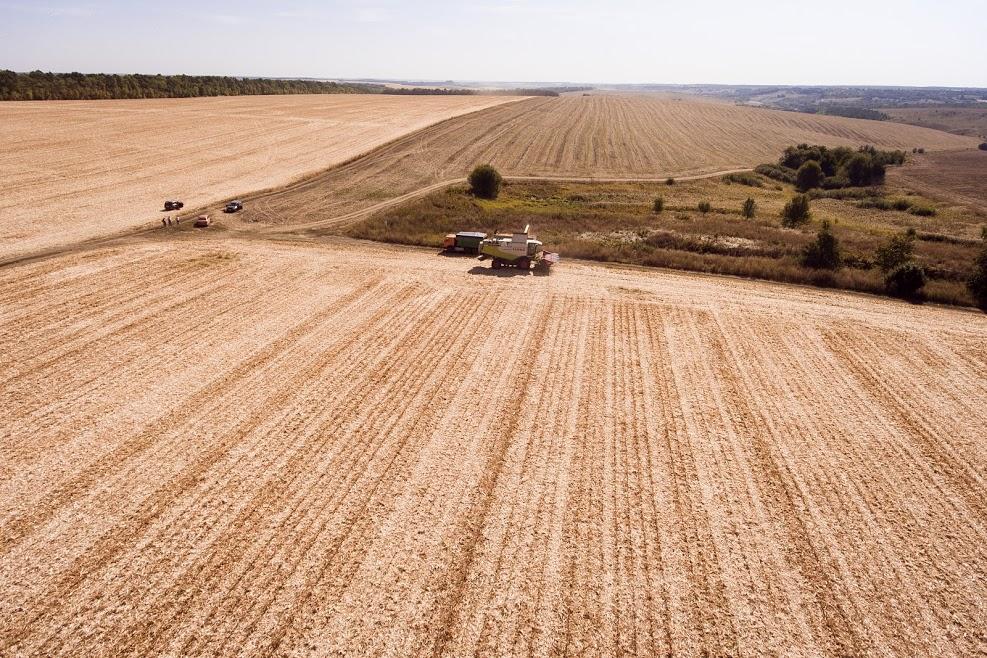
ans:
(519, 250)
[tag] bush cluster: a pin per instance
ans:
(744, 179)
(659, 205)
(705, 206)
(840, 167)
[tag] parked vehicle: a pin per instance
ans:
(234, 206)
(464, 242)
(203, 221)
(173, 205)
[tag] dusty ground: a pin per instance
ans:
(607, 136)
(79, 169)
(243, 447)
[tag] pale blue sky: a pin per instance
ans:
(886, 42)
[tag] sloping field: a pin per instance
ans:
(608, 136)
(955, 177)
(230, 447)
(75, 170)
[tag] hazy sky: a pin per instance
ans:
(890, 42)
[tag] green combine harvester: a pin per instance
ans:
(519, 250)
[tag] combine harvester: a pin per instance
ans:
(519, 250)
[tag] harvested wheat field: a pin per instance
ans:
(956, 177)
(603, 136)
(228, 447)
(72, 170)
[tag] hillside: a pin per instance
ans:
(621, 136)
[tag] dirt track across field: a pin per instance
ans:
(600, 136)
(72, 170)
(231, 447)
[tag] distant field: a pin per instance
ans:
(971, 121)
(623, 136)
(78, 169)
(238, 447)
(958, 178)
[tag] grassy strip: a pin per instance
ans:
(615, 222)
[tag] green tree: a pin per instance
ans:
(824, 253)
(906, 281)
(796, 212)
(809, 176)
(485, 182)
(858, 169)
(705, 207)
(659, 204)
(749, 209)
(896, 252)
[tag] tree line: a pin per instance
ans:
(38, 85)
(42, 86)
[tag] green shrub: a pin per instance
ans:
(485, 182)
(809, 176)
(977, 284)
(923, 211)
(906, 281)
(901, 205)
(705, 206)
(744, 178)
(824, 253)
(749, 209)
(796, 211)
(669, 181)
(896, 252)
(659, 204)
(776, 172)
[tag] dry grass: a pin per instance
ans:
(600, 136)
(76, 170)
(614, 222)
(366, 450)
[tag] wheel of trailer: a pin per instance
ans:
(524, 264)
(496, 264)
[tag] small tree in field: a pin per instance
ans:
(659, 205)
(485, 182)
(705, 207)
(809, 176)
(896, 252)
(796, 211)
(749, 209)
(824, 253)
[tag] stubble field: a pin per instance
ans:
(80, 169)
(232, 447)
(599, 136)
